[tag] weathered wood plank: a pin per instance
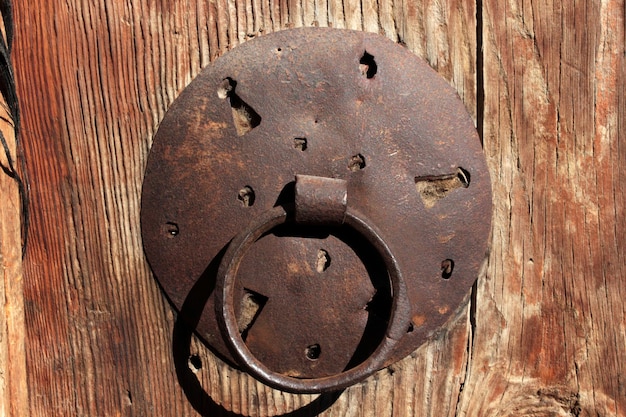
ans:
(93, 343)
(13, 385)
(550, 321)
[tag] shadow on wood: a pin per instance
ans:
(184, 328)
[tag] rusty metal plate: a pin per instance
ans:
(314, 300)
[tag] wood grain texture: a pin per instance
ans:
(544, 331)
(550, 320)
(13, 385)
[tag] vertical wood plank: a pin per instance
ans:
(549, 337)
(13, 189)
(444, 34)
(13, 383)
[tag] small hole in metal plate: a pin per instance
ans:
(447, 266)
(433, 188)
(171, 230)
(357, 162)
(300, 143)
(463, 176)
(245, 118)
(247, 196)
(313, 352)
(323, 261)
(251, 305)
(367, 65)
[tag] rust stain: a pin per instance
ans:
(446, 238)
(211, 125)
(419, 320)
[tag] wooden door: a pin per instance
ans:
(86, 331)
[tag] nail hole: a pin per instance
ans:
(411, 328)
(279, 49)
(433, 188)
(367, 65)
(246, 196)
(313, 352)
(171, 230)
(463, 176)
(300, 143)
(323, 261)
(194, 363)
(357, 162)
(447, 266)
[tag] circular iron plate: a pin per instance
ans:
(330, 103)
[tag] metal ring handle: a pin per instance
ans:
(397, 327)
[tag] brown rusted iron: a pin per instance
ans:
(323, 202)
(391, 176)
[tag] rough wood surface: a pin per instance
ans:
(550, 333)
(13, 388)
(13, 385)
(544, 331)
